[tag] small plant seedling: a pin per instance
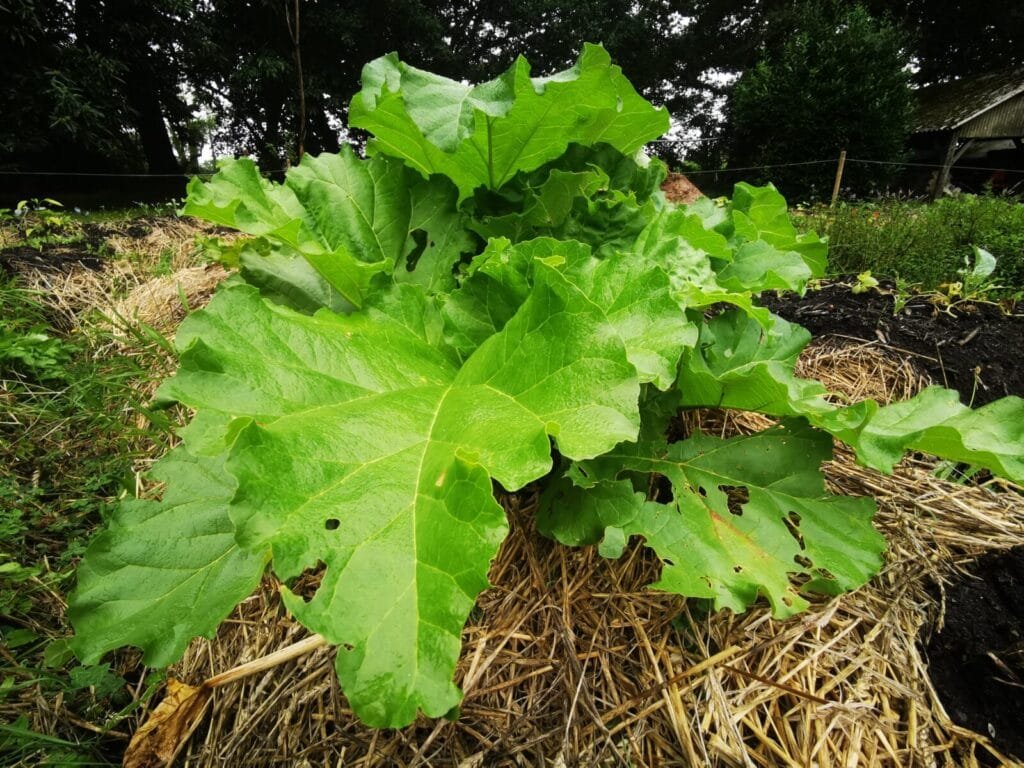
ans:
(865, 282)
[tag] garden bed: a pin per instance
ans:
(974, 348)
(569, 660)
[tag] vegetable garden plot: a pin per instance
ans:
(654, 679)
(499, 293)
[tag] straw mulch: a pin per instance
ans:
(162, 302)
(124, 290)
(569, 660)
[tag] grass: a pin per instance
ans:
(75, 433)
(923, 243)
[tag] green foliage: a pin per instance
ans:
(838, 82)
(922, 243)
(498, 294)
(38, 222)
(68, 443)
(949, 43)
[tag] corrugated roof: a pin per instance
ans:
(945, 106)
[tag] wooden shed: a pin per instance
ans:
(957, 115)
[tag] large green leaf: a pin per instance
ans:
(539, 209)
(635, 298)
(285, 277)
(351, 219)
(761, 213)
(280, 361)
(763, 251)
(758, 266)
(440, 237)
(484, 135)
(596, 195)
(737, 364)
(750, 516)
(164, 571)
(366, 449)
(677, 240)
(594, 513)
(934, 421)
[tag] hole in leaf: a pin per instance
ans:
(737, 496)
(348, 646)
(737, 569)
(308, 582)
(332, 523)
(825, 573)
(668, 562)
(702, 492)
(419, 237)
(792, 521)
(803, 561)
(660, 490)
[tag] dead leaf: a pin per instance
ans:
(159, 740)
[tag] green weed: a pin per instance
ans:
(923, 243)
(75, 426)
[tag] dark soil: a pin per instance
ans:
(49, 258)
(977, 660)
(973, 348)
(80, 250)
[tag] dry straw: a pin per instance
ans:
(569, 660)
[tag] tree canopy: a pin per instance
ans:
(840, 81)
(139, 86)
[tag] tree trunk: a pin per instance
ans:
(149, 122)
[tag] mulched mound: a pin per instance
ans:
(974, 348)
(569, 660)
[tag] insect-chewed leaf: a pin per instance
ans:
(367, 449)
(164, 571)
(737, 364)
(748, 515)
(349, 218)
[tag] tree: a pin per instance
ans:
(952, 38)
(246, 73)
(840, 81)
(91, 85)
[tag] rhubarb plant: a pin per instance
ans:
(498, 298)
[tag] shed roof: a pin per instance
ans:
(947, 106)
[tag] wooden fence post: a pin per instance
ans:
(839, 178)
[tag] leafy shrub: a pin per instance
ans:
(500, 293)
(839, 81)
(923, 243)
